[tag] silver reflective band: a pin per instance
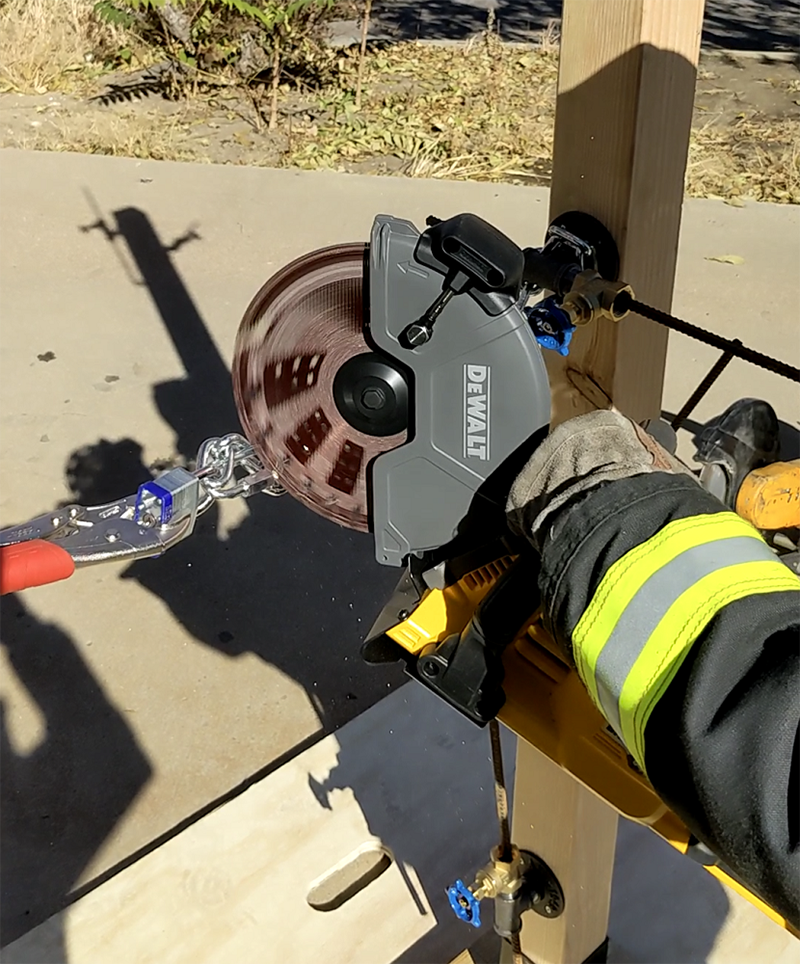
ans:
(651, 603)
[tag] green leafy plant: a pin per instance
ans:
(256, 39)
(117, 16)
(119, 12)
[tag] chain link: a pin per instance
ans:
(218, 460)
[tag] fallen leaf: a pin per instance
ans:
(735, 202)
(727, 259)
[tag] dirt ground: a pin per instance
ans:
(425, 113)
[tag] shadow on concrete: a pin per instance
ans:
(420, 761)
(297, 591)
(286, 585)
(665, 908)
(762, 25)
(515, 20)
(60, 801)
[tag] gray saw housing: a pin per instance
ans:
(478, 392)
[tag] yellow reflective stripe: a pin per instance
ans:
(668, 645)
(627, 576)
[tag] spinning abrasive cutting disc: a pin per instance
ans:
(315, 401)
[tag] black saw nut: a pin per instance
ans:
(371, 393)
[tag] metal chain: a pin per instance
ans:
(731, 346)
(217, 462)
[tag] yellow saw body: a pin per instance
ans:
(548, 706)
(769, 497)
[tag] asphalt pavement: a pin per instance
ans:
(752, 25)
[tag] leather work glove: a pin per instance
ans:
(551, 504)
(577, 456)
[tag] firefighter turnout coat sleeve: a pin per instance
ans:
(683, 625)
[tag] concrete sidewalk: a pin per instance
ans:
(408, 778)
(136, 696)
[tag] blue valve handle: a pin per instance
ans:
(464, 903)
(551, 325)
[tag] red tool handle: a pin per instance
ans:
(34, 563)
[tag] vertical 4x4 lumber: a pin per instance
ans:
(625, 95)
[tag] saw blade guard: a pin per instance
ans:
(301, 331)
(481, 395)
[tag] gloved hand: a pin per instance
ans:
(554, 503)
(577, 456)
(682, 625)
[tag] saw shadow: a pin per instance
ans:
(284, 584)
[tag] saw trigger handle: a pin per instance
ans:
(466, 670)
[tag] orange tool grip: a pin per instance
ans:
(34, 563)
(769, 497)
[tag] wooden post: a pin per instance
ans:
(626, 86)
(625, 95)
(575, 833)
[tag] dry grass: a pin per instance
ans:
(124, 134)
(757, 158)
(486, 112)
(457, 112)
(481, 111)
(46, 44)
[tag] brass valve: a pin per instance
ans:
(499, 876)
(521, 883)
(592, 296)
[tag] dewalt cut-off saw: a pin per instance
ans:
(398, 387)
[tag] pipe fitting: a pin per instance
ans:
(499, 876)
(593, 296)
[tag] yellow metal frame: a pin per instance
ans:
(547, 705)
